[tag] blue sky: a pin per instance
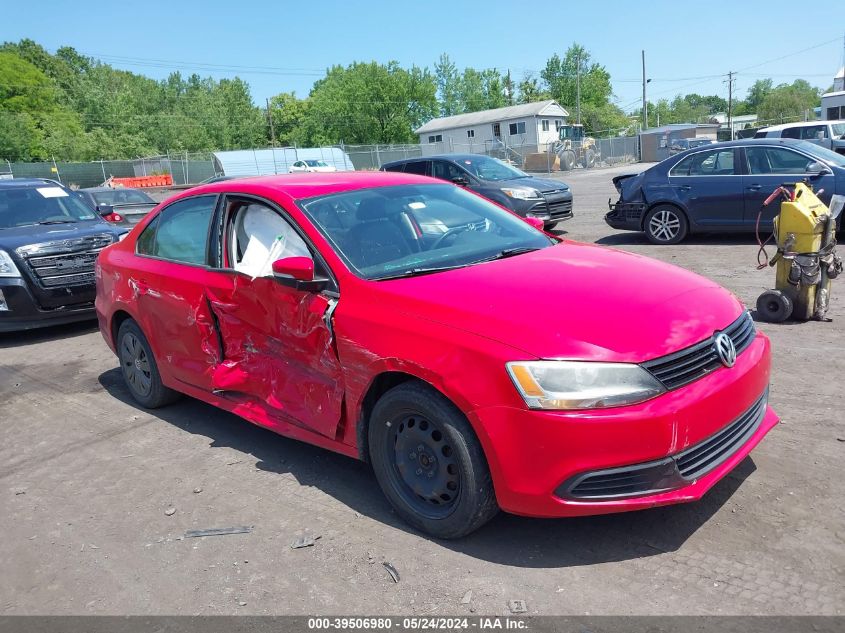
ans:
(282, 46)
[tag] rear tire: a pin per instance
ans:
(429, 463)
(567, 160)
(774, 306)
(589, 159)
(666, 224)
(139, 369)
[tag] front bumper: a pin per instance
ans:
(23, 312)
(536, 457)
(553, 208)
(627, 216)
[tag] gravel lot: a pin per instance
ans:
(87, 480)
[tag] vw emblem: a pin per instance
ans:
(725, 349)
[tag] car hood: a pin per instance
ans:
(540, 184)
(573, 301)
(13, 238)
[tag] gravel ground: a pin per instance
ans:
(88, 482)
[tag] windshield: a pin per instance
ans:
(823, 154)
(488, 168)
(316, 163)
(838, 129)
(121, 196)
(411, 229)
(41, 205)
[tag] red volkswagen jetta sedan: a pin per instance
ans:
(476, 362)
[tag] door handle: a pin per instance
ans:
(755, 187)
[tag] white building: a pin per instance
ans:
(524, 128)
(833, 103)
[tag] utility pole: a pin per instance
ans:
(730, 103)
(578, 86)
(272, 130)
(645, 102)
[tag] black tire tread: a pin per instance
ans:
(160, 395)
(447, 414)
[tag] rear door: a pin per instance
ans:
(172, 281)
(768, 167)
(708, 184)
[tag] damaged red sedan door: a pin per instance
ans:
(223, 324)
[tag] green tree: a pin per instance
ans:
(757, 92)
(371, 103)
(560, 76)
(789, 101)
(530, 90)
(448, 86)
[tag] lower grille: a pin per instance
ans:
(672, 472)
(690, 364)
(562, 209)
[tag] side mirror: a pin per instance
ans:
(817, 169)
(105, 209)
(461, 181)
(537, 223)
(298, 273)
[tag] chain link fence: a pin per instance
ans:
(191, 168)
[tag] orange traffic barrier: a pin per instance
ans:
(145, 181)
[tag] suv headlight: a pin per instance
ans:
(7, 266)
(557, 384)
(522, 193)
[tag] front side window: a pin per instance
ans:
(545, 124)
(405, 230)
(776, 160)
(446, 171)
(258, 236)
(714, 163)
(814, 132)
(180, 232)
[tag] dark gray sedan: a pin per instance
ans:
(720, 187)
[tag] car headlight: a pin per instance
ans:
(7, 266)
(558, 384)
(522, 193)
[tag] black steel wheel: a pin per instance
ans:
(139, 367)
(774, 306)
(429, 462)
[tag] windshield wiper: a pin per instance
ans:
(415, 272)
(509, 252)
(57, 222)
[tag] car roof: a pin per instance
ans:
(784, 126)
(758, 141)
(22, 183)
(311, 184)
(449, 157)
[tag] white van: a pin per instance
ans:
(829, 134)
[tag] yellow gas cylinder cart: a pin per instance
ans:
(806, 259)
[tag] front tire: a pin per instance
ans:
(666, 224)
(139, 368)
(429, 463)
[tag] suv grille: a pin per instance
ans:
(64, 263)
(690, 364)
(562, 209)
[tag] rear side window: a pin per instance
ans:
(396, 167)
(180, 232)
(791, 132)
(715, 163)
(419, 167)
